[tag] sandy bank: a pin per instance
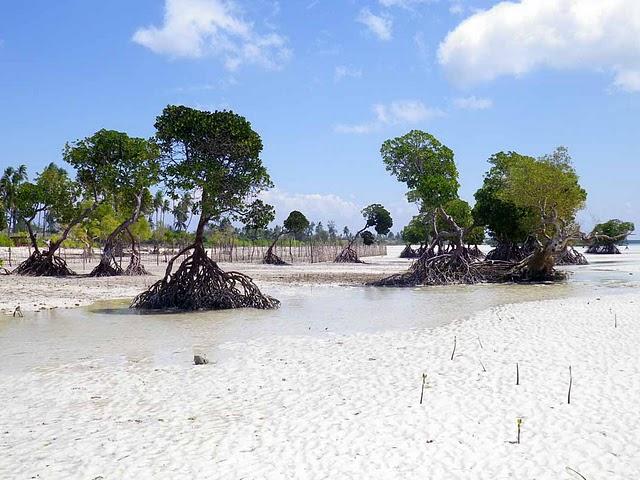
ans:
(348, 406)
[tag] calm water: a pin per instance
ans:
(111, 332)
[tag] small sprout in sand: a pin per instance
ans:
(18, 312)
(480, 342)
(575, 473)
(482, 365)
(517, 374)
(615, 320)
(454, 347)
(424, 379)
(519, 425)
(570, 383)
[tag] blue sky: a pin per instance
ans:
(326, 82)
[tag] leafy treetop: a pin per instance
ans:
(416, 231)
(506, 221)
(296, 222)
(425, 165)
(378, 217)
(612, 231)
(216, 153)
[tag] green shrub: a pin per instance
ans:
(5, 241)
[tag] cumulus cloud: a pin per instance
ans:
(199, 28)
(473, 103)
(380, 25)
(514, 38)
(343, 71)
(316, 206)
(401, 112)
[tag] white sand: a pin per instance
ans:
(347, 407)
(343, 406)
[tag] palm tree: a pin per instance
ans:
(9, 182)
(158, 201)
(166, 206)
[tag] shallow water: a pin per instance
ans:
(111, 332)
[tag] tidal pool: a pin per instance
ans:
(109, 331)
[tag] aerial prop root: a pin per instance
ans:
(107, 269)
(42, 265)
(607, 249)
(429, 269)
(135, 269)
(409, 252)
(272, 259)
(570, 256)
(348, 255)
(199, 284)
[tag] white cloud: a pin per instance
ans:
(514, 38)
(315, 206)
(198, 28)
(380, 25)
(402, 112)
(473, 103)
(343, 71)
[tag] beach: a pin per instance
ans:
(281, 401)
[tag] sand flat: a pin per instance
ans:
(92, 398)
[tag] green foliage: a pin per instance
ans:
(460, 211)
(141, 230)
(3, 213)
(416, 232)
(109, 161)
(475, 236)
(296, 222)
(259, 215)
(546, 185)
(53, 192)
(425, 165)
(506, 221)
(28, 200)
(616, 230)
(9, 183)
(215, 152)
(378, 217)
(5, 241)
(368, 238)
(102, 221)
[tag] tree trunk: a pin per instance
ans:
(271, 258)
(135, 267)
(108, 267)
(348, 253)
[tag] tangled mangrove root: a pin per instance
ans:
(42, 265)
(409, 252)
(606, 249)
(348, 255)
(475, 252)
(570, 256)
(272, 259)
(199, 284)
(107, 268)
(444, 269)
(135, 267)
